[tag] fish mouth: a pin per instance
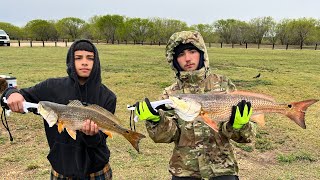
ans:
(48, 114)
(175, 101)
(187, 111)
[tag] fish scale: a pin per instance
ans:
(221, 106)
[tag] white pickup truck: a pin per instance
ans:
(4, 38)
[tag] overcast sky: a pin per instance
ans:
(19, 12)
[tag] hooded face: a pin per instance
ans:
(83, 61)
(187, 53)
(188, 59)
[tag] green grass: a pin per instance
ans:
(294, 157)
(282, 150)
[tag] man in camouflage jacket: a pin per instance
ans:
(199, 151)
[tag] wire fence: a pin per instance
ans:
(30, 43)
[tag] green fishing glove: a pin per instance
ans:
(145, 112)
(241, 114)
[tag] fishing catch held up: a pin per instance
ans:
(215, 107)
(72, 116)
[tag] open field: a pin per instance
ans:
(282, 149)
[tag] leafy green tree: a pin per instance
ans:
(171, 26)
(282, 31)
(163, 28)
(41, 30)
(138, 28)
(110, 25)
(271, 35)
(157, 31)
(91, 29)
(243, 31)
(124, 32)
(206, 30)
(240, 32)
(70, 27)
(87, 31)
(302, 29)
(223, 28)
(13, 31)
(260, 27)
(231, 30)
(317, 32)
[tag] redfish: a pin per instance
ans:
(217, 107)
(72, 116)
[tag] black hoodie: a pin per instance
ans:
(86, 154)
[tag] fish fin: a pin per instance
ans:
(108, 133)
(252, 94)
(259, 119)
(75, 103)
(297, 110)
(134, 138)
(211, 123)
(72, 133)
(60, 126)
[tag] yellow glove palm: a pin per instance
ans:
(240, 114)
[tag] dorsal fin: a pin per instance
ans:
(252, 94)
(75, 103)
(72, 133)
(259, 119)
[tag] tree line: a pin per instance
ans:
(111, 28)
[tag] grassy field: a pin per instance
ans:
(282, 149)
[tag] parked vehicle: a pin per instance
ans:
(4, 38)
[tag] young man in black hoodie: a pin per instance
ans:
(87, 156)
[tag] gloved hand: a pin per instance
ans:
(241, 114)
(145, 112)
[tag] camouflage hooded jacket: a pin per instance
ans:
(199, 151)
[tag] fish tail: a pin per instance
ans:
(297, 110)
(134, 138)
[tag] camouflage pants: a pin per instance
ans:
(227, 177)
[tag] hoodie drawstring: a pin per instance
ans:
(5, 122)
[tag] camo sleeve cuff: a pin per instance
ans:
(243, 135)
(163, 131)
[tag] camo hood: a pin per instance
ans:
(196, 39)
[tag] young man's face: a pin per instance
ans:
(189, 59)
(83, 61)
